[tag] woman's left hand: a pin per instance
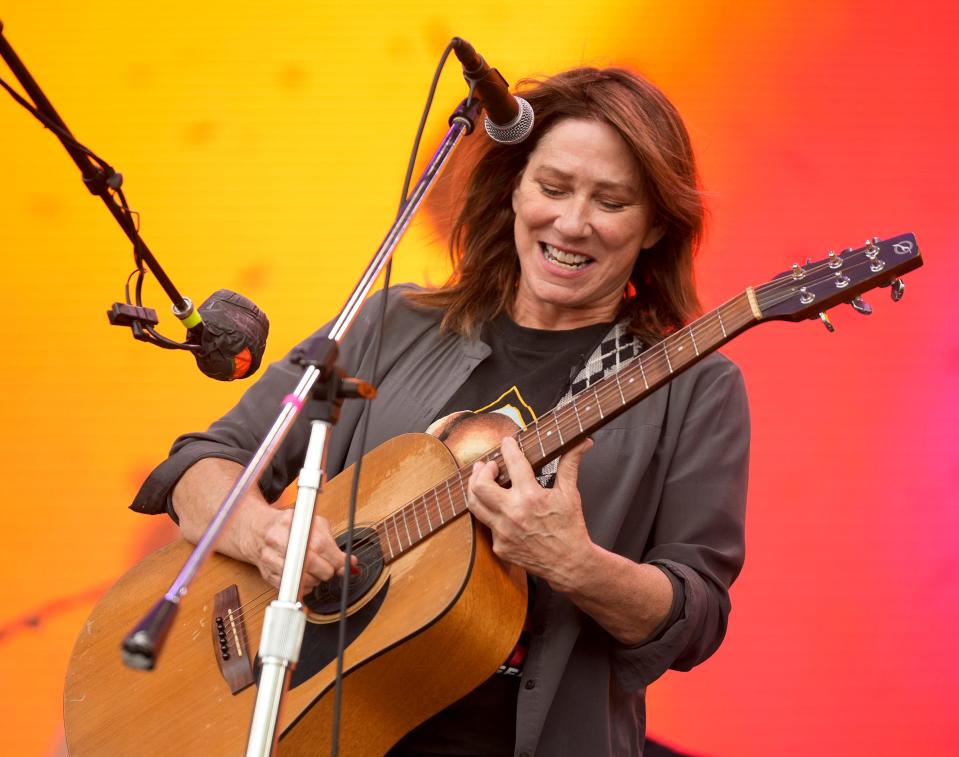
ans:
(540, 530)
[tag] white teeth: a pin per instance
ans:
(569, 259)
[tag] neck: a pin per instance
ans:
(550, 317)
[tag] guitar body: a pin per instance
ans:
(442, 617)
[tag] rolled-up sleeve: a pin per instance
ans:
(698, 533)
(235, 437)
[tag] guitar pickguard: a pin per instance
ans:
(320, 639)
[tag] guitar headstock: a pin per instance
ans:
(809, 290)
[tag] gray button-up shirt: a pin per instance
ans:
(665, 483)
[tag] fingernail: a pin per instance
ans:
(354, 570)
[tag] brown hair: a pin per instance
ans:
(485, 264)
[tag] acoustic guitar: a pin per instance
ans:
(433, 612)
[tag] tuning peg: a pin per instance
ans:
(897, 289)
(826, 322)
(861, 306)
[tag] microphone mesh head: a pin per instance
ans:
(515, 131)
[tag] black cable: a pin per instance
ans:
(158, 339)
(364, 426)
(56, 129)
(114, 184)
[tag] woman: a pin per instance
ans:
(572, 250)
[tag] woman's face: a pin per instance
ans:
(581, 221)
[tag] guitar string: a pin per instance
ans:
(561, 416)
(773, 293)
(821, 265)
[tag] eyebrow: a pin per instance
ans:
(604, 184)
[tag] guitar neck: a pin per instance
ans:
(565, 426)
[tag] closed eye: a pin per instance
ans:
(550, 191)
(612, 205)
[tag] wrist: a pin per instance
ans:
(252, 528)
(580, 570)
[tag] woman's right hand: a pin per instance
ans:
(257, 532)
(324, 558)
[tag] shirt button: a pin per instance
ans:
(531, 683)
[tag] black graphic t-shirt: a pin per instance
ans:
(524, 376)
(527, 372)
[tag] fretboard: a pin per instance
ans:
(564, 426)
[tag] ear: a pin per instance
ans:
(654, 234)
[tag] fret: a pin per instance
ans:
(426, 509)
(642, 371)
(669, 365)
(576, 411)
(449, 496)
(692, 338)
(406, 525)
(680, 345)
(721, 326)
(559, 431)
(599, 404)
(416, 519)
(620, 388)
(385, 537)
(399, 541)
(521, 441)
(439, 506)
(539, 438)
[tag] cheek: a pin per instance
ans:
(520, 231)
(531, 214)
(621, 235)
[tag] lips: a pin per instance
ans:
(572, 261)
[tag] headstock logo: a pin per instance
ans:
(902, 248)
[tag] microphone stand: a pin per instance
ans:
(100, 180)
(284, 621)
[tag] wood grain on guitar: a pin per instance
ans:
(450, 616)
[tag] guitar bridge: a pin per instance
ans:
(229, 640)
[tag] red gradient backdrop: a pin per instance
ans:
(265, 150)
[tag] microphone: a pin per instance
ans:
(509, 119)
(232, 336)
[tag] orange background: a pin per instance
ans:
(264, 146)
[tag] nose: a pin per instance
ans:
(572, 218)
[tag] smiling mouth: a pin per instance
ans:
(571, 261)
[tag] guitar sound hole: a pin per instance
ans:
(324, 599)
